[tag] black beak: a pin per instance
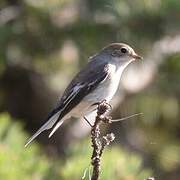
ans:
(136, 56)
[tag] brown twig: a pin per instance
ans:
(98, 143)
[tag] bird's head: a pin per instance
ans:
(120, 52)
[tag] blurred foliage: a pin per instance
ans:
(16, 162)
(117, 163)
(162, 111)
(157, 131)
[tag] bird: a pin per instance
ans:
(97, 81)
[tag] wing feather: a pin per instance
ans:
(84, 83)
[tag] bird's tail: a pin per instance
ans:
(48, 125)
(56, 127)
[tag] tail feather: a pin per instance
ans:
(56, 127)
(49, 124)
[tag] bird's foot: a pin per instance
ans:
(87, 121)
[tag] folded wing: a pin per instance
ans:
(84, 83)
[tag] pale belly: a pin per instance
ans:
(105, 91)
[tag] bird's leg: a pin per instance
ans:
(104, 101)
(110, 106)
(87, 121)
(104, 107)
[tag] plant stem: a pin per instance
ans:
(98, 143)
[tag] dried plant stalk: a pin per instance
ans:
(99, 143)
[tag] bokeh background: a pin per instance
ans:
(43, 43)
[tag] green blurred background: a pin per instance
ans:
(43, 43)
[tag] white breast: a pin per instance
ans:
(107, 88)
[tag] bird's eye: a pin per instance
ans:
(123, 50)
